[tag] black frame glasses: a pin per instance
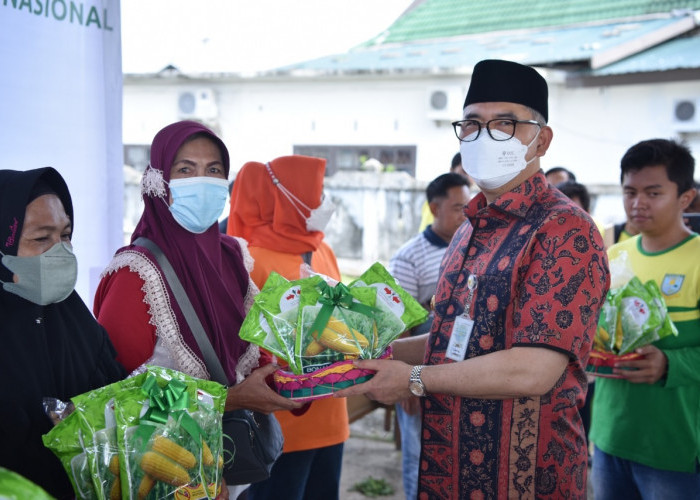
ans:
(465, 128)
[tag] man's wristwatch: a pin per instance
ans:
(415, 384)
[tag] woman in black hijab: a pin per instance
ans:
(50, 344)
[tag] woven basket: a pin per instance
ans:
(324, 382)
(601, 363)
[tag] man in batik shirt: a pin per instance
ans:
(516, 309)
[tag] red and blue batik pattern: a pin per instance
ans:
(542, 274)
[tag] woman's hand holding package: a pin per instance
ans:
(254, 393)
(646, 370)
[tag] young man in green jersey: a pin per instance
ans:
(646, 425)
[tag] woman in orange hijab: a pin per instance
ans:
(280, 209)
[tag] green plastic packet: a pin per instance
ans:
(65, 440)
(98, 428)
(280, 306)
(257, 330)
(169, 436)
(607, 323)
(393, 302)
(335, 323)
(14, 486)
(642, 315)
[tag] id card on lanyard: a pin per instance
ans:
(462, 327)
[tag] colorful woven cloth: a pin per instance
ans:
(322, 383)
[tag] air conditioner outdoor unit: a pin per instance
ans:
(199, 104)
(444, 103)
(686, 115)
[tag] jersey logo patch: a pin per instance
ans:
(672, 283)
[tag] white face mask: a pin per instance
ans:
(318, 217)
(492, 163)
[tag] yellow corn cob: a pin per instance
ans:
(145, 486)
(164, 469)
(314, 348)
(337, 325)
(618, 335)
(598, 344)
(338, 336)
(220, 463)
(172, 450)
(376, 335)
(115, 493)
(207, 457)
(114, 465)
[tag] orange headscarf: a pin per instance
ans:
(262, 215)
(277, 237)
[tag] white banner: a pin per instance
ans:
(60, 106)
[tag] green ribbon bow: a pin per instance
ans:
(171, 400)
(172, 397)
(337, 296)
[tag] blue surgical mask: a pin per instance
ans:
(198, 201)
(46, 278)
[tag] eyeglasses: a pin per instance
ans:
(465, 129)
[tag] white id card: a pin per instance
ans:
(461, 331)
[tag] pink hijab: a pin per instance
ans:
(209, 265)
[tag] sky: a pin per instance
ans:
(245, 36)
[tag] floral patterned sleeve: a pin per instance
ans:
(561, 285)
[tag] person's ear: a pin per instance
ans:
(434, 206)
(687, 197)
(544, 139)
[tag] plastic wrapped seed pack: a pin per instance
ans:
(319, 327)
(153, 436)
(633, 315)
(169, 436)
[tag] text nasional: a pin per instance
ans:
(62, 10)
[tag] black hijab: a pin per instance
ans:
(56, 351)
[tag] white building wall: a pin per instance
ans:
(268, 118)
(593, 127)
(262, 119)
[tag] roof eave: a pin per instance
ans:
(619, 52)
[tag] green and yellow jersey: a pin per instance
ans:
(659, 425)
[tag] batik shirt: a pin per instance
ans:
(541, 274)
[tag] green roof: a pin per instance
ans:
(431, 19)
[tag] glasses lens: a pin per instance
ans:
(502, 129)
(467, 130)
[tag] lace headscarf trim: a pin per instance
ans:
(160, 311)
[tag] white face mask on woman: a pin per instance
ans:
(493, 163)
(318, 217)
(46, 278)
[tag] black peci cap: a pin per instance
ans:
(494, 80)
